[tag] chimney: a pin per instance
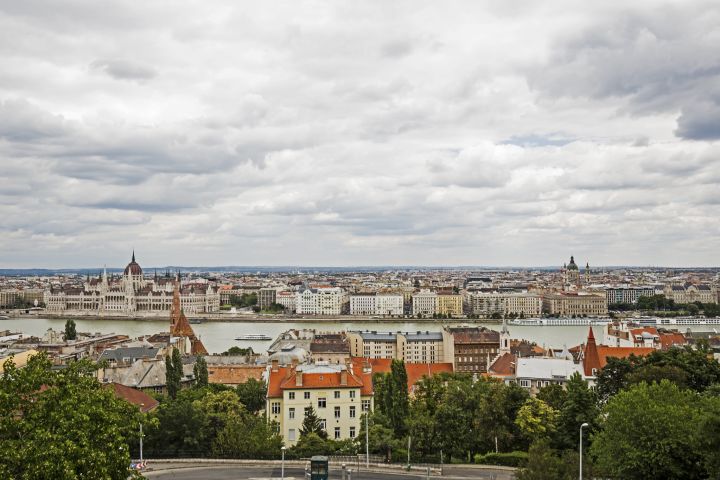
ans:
(298, 378)
(274, 368)
(295, 362)
(344, 376)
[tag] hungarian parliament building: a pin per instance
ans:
(132, 293)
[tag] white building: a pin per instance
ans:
(363, 304)
(389, 304)
(321, 301)
(376, 304)
(627, 294)
(425, 303)
(287, 299)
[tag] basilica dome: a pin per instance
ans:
(572, 265)
(133, 268)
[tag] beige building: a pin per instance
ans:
(266, 297)
(450, 305)
(485, 304)
(579, 304)
(424, 303)
(412, 347)
(689, 293)
(339, 394)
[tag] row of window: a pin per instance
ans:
(275, 408)
(292, 434)
(306, 396)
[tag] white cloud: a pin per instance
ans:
(358, 133)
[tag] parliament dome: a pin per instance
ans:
(133, 268)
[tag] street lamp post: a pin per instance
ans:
(581, 453)
(282, 463)
(367, 440)
(142, 405)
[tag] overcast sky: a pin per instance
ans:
(359, 133)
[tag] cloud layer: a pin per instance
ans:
(359, 133)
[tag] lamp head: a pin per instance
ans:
(584, 425)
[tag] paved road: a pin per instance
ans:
(245, 472)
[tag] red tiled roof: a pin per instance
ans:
(415, 371)
(604, 352)
(504, 365)
(285, 379)
(139, 398)
(668, 340)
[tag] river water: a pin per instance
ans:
(219, 336)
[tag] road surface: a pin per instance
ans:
(246, 472)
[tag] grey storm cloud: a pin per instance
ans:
(359, 133)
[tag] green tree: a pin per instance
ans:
(581, 406)
(248, 436)
(200, 370)
(543, 463)
(62, 424)
(178, 428)
(554, 395)
(651, 431)
(173, 373)
(311, 444)
(70, 331)
(381, 437)
(613, 377)
(237, 351)
(536, 419)
(252, 394)
(312, 424)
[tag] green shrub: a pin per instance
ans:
(511, 459)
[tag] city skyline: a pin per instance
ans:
(342, 134)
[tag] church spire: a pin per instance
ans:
(133, 257)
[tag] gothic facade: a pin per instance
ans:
(131, 293)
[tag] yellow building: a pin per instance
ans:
(450, 305)
(579, 304)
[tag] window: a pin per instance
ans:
(525, 383)
(306, 395)
(291, 435)
(323, 424)
(291, 395)
(337, 412)
(322, 402)
(337, 393)
(365, 405)
(352, 393)
(291, 413)
(275, 408)
(306, 410)
(352, 412)
(337, 433)
(352, 432)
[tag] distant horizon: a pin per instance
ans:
(161, 270)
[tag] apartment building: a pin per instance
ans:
(627, 294)
(412, 347)
(321, 301)
(424, 303)
(363, 304)
(287, 299)
(450, 305)
(339, 394)
(391, 305)
(473, 347)
(512, 303)
(266, 297)
(566, 304)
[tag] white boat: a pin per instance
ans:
(559, 322)
(253, 336)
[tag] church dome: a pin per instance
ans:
(572, 265)
(133, 268)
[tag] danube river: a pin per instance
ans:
(219, 336)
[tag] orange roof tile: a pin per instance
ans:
(604, 352)
(234, 374)
(139, 398)
(504, 366)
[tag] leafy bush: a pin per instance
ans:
(511, 459)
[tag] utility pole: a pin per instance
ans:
(367, 440)
(581, 455)
(409, 443)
